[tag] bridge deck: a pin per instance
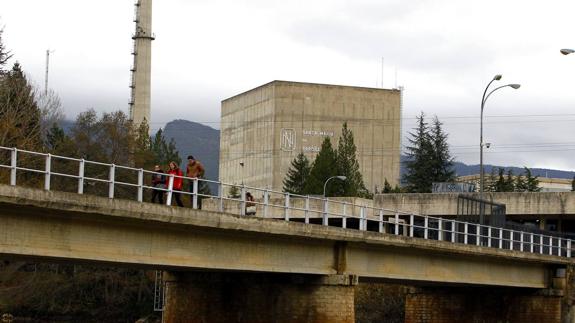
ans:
(42, 224)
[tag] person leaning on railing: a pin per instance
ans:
(159, 184)
(178, 181)
(195, 169)
(250, 205)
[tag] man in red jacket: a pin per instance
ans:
(178, 181)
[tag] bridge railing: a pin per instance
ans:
(117, 181)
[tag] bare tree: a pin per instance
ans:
(4, 53)
(51, 112)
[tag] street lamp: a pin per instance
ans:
(481, 171)
(567, 51)
(343, 178)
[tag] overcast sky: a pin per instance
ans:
(444, 52)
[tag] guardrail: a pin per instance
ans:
(281, 205)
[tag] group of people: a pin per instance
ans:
(194, 169)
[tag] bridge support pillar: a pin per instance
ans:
(491, 304)
(242, 297)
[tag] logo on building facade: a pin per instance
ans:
(287, 140)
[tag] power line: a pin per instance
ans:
(390, 119)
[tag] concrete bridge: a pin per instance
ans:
(553, 211)
(278, 266)
(229, 268)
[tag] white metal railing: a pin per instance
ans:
(286, 206)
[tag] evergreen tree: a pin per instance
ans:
(532, 182)
(442, 162)
(491, 181)
(143, 154)
(500, 184)
(55, 138)
(509, 183)
(420, 155)
(520, 183)
(387, 187)
(297, 175)
(348, 166)
(164, 152)
(324, 167)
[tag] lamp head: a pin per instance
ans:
(515, 86)
(343, 178)
(497, 77)
(567, 51)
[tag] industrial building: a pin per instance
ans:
(264, 129)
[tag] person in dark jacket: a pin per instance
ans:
(159, 183)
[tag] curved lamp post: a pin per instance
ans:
(481, 144)
(567, 51)
(343, 178)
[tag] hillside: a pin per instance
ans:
(203, 142)
(462, 169)
(195, 139)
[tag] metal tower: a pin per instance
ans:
(141, 69)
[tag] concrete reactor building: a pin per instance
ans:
(264, 129)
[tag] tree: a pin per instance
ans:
(19, 113)
(348, 166)
(84, 133)
(491, 181)
(387, 187)
(441, 161)
(164, 152)
(324, 167)
(4, 53)
(297, 175)
(419, 163)
(509, 182)
(109, 139)
(499, 184)
(57, 142)
(520, 183)
(50, 110)
(532, 182)
(116, 135)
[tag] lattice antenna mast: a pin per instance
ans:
(48, 52)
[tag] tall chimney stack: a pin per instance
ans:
(141, 69)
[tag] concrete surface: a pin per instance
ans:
(41, 224)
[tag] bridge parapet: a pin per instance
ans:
(347, 213)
